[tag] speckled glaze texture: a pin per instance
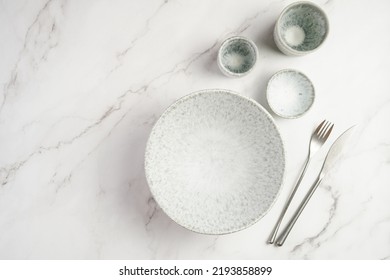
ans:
(215, 162)
(302, 27)
(237, 56)
(290, 93)
(84, 82)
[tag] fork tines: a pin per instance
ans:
(324, 129)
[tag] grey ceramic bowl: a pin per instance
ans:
(237, 56)
(215, 162)
(290, 93)
(302, 27)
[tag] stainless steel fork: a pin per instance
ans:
(318, 138)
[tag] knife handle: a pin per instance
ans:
(298, 212)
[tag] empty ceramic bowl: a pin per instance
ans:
(237, 56)
(302, 27)
(290, 94)
(215, 161)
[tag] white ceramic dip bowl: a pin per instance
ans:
(290, 93)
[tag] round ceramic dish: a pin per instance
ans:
(290, 93)
(237, 56)
(214, 162)
(302, 27)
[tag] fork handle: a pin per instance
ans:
(271, 240)
(298, 212)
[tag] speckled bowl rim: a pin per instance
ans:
(268, 94)
(294, 51)
(222, 66)
(191, 95)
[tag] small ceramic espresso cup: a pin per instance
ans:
(237, 56)
(301, 28)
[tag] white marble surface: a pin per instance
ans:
(84, 81)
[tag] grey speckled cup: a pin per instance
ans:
(237, 56)
(301, 28)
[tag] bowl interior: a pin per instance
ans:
(215, 162)
(290, 94)
(303, 27)
(237, 56)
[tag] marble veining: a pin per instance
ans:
(83, 82)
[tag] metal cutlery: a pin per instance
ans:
(318, 138)
(334, 153)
